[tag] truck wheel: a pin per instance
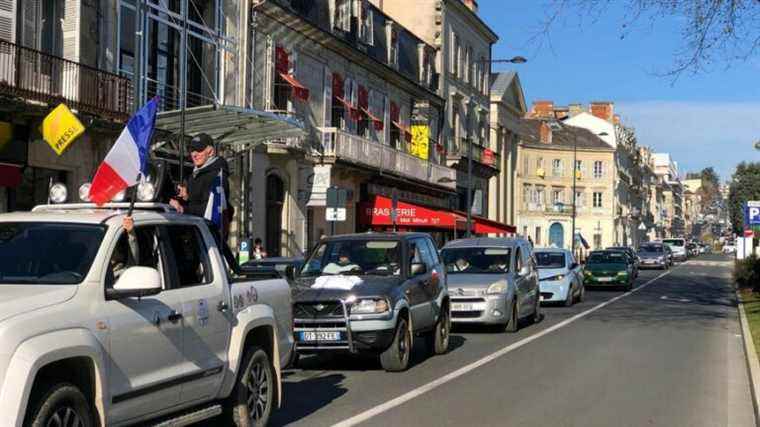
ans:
(396, 357)
(62, 405)
(513, 325)
(437, 340)
(252, 398)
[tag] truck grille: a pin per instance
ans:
(321, 316)
(318, 310)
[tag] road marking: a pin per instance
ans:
(400, 400)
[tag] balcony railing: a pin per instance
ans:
(362, 151)
(38, 76)
(478, 154)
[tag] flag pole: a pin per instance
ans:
(133, 195)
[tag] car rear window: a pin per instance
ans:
(550, 259)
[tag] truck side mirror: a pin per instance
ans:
(290, 272)
(136, 282)
(418, 268)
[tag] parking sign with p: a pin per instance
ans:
(752, 213)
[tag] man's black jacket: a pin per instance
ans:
(199, 186)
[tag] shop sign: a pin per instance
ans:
(380, 213)
(420, 141)
(60, 128)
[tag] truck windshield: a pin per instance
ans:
(47, 253)
(476, 260)
(356, 257)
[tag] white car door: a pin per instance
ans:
(146, 337)
(207, 325)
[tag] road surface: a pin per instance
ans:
(667, 354)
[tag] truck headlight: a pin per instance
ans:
(497, 288)
(370, 306)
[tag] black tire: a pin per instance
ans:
(255, 382)
(437, 340)
(536, 316)
(396, 357)
(570, 297)
(63, 405)
(582, 294)
(513, 325)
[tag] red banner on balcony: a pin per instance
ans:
(353, 113)
(281, 61)
(488, 157)
(363, 97)
(337, 85)
(299, 91)
(377, 122)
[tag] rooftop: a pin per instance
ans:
(563, 136)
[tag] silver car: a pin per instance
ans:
(492, 281)
(560, 277)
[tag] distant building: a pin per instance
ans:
(545, 185)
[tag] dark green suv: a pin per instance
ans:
(609, 268)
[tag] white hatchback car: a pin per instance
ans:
(560, 276)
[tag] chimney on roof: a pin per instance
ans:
(604, 110)
(545, 133)
(575, 109)
(542, 110)
(472, 5)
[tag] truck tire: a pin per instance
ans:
(62, 405)
(255, 383)
(396, 357)
(513, 325)
(437, 340)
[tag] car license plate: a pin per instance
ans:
(604, 279)
(459, 306)
(320, 336)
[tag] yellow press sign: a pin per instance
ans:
(60, 128)
(420, 141)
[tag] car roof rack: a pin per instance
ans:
(140, 206)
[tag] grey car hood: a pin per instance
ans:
(370, 286)
(19, 299)
(473, 281)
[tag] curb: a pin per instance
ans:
(753, 364)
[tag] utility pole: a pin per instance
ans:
(575, 194)
(182, 91)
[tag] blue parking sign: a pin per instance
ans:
(752, 213)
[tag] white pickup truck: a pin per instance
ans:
(100, 327)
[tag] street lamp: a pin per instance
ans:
(575, 179)
(516, 60)
(757, 144)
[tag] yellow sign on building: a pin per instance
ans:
(60, 128)
(420, 141)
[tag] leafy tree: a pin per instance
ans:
(744, 186)
(710, 190)
(712, 31)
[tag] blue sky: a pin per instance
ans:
(709, 119)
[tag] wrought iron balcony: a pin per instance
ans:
(362, 151)
(37, 76)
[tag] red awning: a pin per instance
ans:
(378, 122)
(10, 175)
(378, 213)
(486, 226)
(299, 90)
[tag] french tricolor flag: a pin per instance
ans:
(128, 158)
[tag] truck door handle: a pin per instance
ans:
(222, 306)
(174, 317)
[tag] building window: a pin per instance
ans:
(343, 15)
(538, 236)
(395, 133)
(469, 64)
(597, 241)
(366, 31)
(455, 51)
(578, 165)
(598, 169)
(557, 167)
(538, 197)
(597, 199)
(557, 197)
(579, 199)
(393, 48)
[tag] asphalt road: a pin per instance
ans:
(667, 354)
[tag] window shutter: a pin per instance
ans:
(8, 20)
(328, 97)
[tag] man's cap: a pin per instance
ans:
(200, 142)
